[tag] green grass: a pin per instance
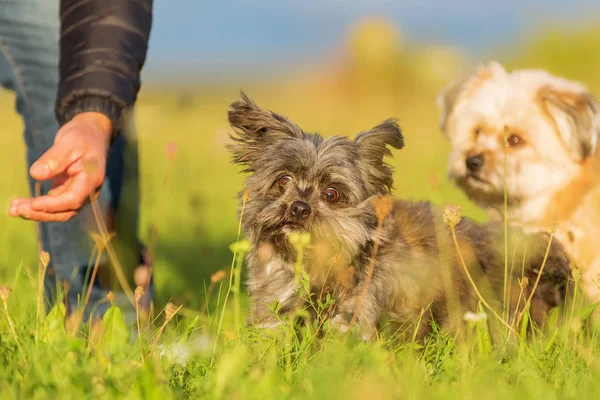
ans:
(196, 226)
(212, 355)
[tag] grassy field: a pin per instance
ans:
(201, 352)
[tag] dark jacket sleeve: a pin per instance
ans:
(103, 46)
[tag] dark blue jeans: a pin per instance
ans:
(29, 56)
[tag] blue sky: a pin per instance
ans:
(212, 38)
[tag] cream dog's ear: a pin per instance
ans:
(449, 95)
(576, 116)
(447, 98)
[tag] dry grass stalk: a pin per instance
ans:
(4, 295)
(383, 206)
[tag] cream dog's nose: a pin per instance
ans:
(474, 163)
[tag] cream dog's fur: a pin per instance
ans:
(543, 131)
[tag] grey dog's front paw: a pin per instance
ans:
(339, 323)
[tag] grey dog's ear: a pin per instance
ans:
(372, 148)
(254, 128)
(576, 116)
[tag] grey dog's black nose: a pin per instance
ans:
(474, 163)
(300, 210)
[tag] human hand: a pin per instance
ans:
(76, 164)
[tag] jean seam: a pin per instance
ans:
(18, 79)
(22, 87)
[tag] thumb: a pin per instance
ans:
(56, 160)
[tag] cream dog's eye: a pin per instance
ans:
(514, 140)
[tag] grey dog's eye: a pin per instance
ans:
(514, 140)
(331, 195)
(283, 181)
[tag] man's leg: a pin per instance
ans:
(29, 54)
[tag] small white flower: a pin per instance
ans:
(180, 353)
(473, 317)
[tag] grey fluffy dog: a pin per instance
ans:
(337, 190)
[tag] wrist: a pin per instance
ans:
(100, 121)
(85, 103)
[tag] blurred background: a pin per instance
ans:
(333, 66)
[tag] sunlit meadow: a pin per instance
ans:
(194, 344)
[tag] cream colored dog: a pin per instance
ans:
(543, 131)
